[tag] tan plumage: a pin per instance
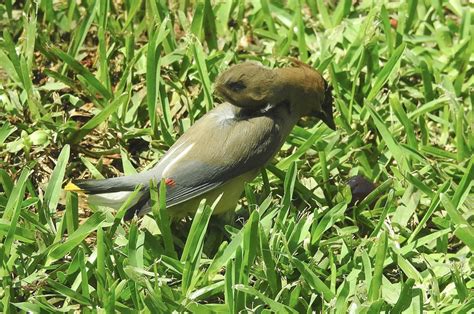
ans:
(228, 145)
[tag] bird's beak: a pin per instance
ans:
(326, 114)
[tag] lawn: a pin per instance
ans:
(98, 88)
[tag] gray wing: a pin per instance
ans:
(222, 149)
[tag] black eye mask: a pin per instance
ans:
(236, 86)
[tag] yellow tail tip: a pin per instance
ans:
(71, 187)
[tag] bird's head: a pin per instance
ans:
(307, 92)
(253, 86)
(247, 85)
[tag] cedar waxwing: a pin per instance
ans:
(227, 146)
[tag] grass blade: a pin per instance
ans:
(376, 282)
(59, 250)
(53, 191)
(79, 135)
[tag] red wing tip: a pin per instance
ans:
(170, 182)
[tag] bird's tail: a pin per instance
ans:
(111, 192)
(118, 184)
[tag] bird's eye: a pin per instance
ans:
(236, 86)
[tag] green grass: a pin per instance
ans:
(98, 88)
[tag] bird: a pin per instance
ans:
(226, 147)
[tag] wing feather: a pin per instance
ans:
(218, 147)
